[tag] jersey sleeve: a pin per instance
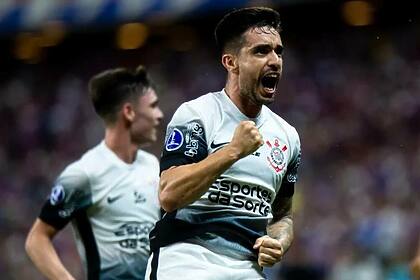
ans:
(185, 140)
(70, 194)
(287, 187)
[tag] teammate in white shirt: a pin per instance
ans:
(111, 193)
(229, 165)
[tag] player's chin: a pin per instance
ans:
(267, 98)
(148, 138)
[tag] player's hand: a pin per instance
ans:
(415, 268)
(270, 251)
(246, 138)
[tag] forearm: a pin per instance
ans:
(281, 226)
(41, 251)
(185, 184)
(272, 247)
(282, 230)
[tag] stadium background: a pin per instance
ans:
(351, 87)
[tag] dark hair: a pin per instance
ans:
(109, 89)
(231, 27)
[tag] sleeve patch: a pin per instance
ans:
(174, 141)
(57, 194)
(184, 144)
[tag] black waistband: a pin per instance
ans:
(170, 230)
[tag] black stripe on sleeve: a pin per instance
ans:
(92, 254)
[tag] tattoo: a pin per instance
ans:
(281, 226)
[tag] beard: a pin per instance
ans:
(255, 94)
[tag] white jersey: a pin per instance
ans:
(112, 206)
(236, 209)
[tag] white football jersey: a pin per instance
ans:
(112, 206)
(236, 209)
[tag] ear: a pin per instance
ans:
(128, 112)
(230, 62)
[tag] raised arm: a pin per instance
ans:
(40, 249)
(184, 184)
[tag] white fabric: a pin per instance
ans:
(185, 261)
(121, 203)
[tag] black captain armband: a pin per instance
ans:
(55, 215)
(287, 188)
(184, 144)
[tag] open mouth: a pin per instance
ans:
(269, 82)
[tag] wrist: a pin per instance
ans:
(232, 152)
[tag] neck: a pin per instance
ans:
(244, 103)
(118, 140)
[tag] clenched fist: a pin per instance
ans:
(270, 251)
(246, 139)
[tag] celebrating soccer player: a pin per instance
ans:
(229, 165)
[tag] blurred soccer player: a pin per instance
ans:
(110, 193)
(229, 165)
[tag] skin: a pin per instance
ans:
(136, 125)
(259, 54)
(273, 246)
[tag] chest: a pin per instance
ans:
(121, 193)
(267, 165)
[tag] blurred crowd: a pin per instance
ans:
(353, 97)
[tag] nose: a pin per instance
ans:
(159, 115)
(275, 61)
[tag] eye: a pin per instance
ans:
(261, 50)
(154, 104)
(279, 50)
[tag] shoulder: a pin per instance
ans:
(90, 159)
(78, 173)
(199, 114)
(199, 108)
(148, 158)
(204, 101)
(72, 182)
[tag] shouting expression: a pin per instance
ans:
(260, 62)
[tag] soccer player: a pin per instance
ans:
(111, 193)
(229, 165)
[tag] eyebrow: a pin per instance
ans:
(278, 48)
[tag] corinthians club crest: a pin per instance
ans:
(276, 157)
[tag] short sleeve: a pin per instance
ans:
(185, 140)
(290, 178)
(69, 195)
